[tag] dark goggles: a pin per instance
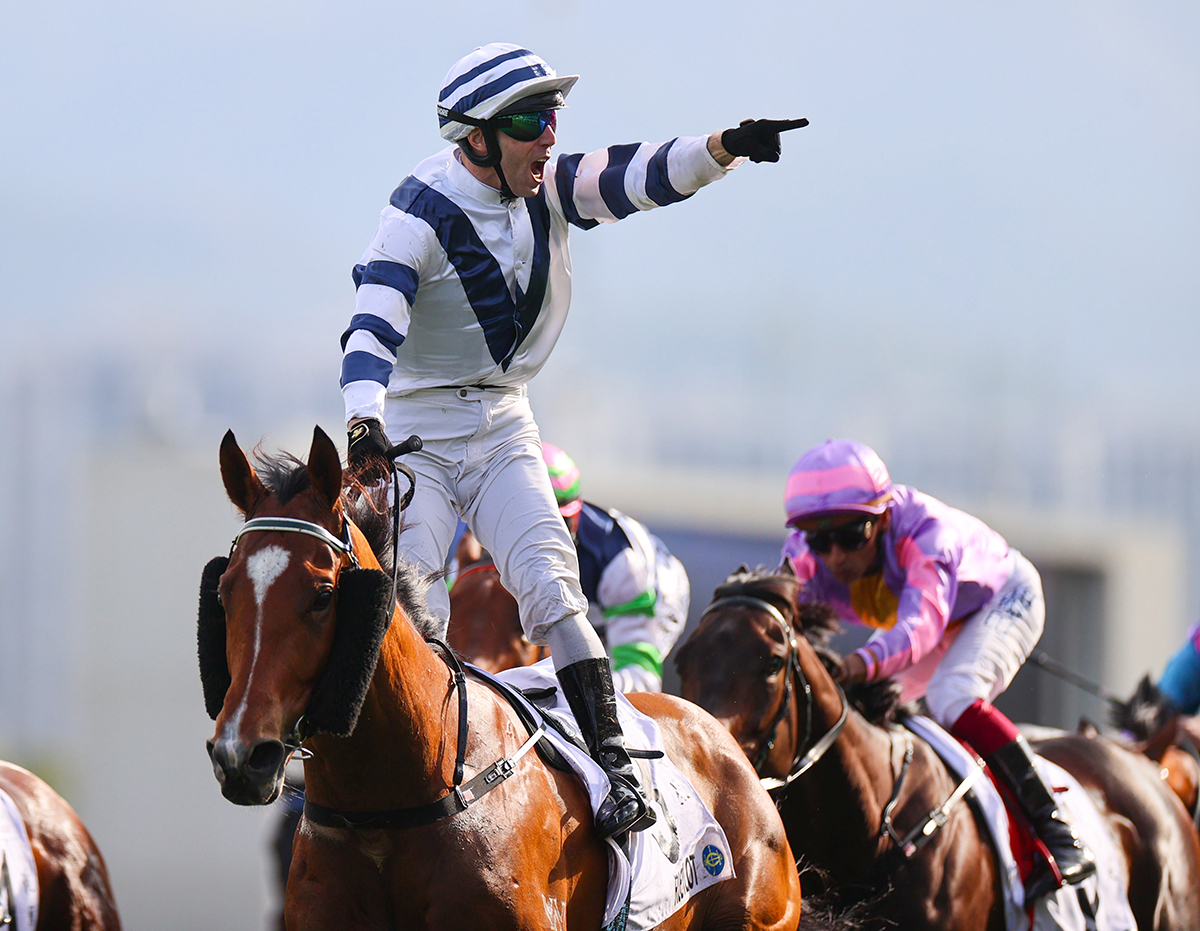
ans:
(525, 127)
(848, 537)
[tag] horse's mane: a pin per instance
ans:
(878, 702)
(369, 506)
(1146, 713)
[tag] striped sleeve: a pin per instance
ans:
(386, 283)
(921, 617)
(609, 184)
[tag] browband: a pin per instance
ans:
(294, 525)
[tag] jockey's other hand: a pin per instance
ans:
(853, 671)
(366, 442)
(758, 140)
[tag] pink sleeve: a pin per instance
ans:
(921, 617)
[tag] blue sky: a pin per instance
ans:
(992, 220)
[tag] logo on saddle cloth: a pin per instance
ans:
(713, 859)
(875, 604)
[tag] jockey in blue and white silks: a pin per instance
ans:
(461, 296)
(638, 593)
(461, 286)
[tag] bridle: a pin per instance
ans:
(805, 754)
(341, 545)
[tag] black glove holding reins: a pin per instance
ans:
(367, 442)
(758, 140)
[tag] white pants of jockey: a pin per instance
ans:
(978, 657)
(661, 630)
(482, 459)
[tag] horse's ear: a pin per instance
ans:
(1159, 742)
(241, 482)
(786, 568)
(325, 466)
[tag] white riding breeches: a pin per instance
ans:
(979, 659)
(482, 460)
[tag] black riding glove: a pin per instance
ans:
(367, 442)
(758, 139)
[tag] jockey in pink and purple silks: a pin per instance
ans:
(955, 609)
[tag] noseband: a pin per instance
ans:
(801, 760)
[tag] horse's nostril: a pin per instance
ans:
(266, 758)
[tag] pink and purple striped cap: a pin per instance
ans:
(837, 477)
(564, 479)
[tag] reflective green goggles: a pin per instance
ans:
(525, 127)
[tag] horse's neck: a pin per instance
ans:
(401, 752)
(847, 790)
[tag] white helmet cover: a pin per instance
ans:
(491, 78)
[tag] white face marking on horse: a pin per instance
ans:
(264, 567)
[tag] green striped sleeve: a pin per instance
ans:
(642, 604)
(645, 655)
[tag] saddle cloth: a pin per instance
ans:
(660, 869)
(18, 873)
(1099, 903)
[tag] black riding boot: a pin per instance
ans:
(588, 687)
(1013, 763)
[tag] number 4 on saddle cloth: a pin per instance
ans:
(655, 871)
(1099, 903)
(18, 874)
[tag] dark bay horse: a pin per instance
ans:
(485, 624)
(1164, 735)
(301, 641)
(755, 662)
(74, 891)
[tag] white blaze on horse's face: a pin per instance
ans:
(264, 567)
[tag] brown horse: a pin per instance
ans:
(74, 891)
(1164, 735)
(485, 624)
(756, 663)
(301, 639)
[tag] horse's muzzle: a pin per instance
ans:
(249, 774)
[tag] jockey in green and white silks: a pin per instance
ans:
(638, 593)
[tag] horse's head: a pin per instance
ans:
(740, 665)
(290, 625)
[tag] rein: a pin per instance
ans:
(907, 845)
(457, 799)
(481, 566)
(460, 795)
(802, 761)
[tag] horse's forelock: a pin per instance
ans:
(367, 502)
(779, 590)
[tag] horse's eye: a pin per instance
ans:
(323, 599)
(775, 666)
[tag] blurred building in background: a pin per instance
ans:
(112, 503)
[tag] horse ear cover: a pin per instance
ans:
(214, 667)
(364, 611)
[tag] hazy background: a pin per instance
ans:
(980, 257)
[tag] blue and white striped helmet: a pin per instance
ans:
(490, 79)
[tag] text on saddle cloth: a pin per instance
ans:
(1099, 903)
(660, 869)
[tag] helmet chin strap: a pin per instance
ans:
(489, 160)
